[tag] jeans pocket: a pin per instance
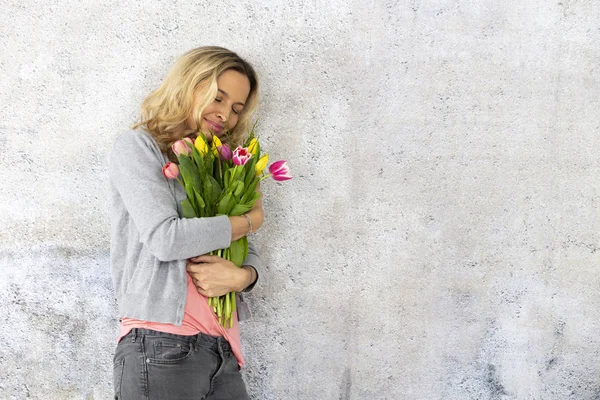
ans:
(230, 358)
(167, 350)
(118, 367)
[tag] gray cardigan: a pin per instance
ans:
(150, 241)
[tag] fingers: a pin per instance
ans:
(198, 284)
(191, 267)
(204, 285)
(207, 264)
(212, 292)
(205, 259)
(203, 290)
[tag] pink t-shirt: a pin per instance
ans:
(197, 317)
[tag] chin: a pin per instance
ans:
(204, 129)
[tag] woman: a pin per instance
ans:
(171, 345)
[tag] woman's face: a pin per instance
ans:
(224, 111)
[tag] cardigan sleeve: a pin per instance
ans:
(147, 198)
(252, 259)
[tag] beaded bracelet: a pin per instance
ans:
(249, 223)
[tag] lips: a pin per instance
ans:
(214, 126)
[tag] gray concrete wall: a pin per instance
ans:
(440, 238)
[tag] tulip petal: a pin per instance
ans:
(273, 168)
(280, 170)
(253, 146)
(170, 170)
(261, 164)
(225, 152)
(241, 155)
(216, 142)
(201, 145)
(181, 147)
(282, 177)
(283, 170)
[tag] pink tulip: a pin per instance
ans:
(241, 155)
(224, 152)
(170, 170)
(280, 171)
(182, 147)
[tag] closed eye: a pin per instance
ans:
(237, 112)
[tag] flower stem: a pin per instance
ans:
(220, 172)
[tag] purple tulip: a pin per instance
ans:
(241, 155)
(224, 152)
(280, 171)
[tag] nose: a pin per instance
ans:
(222, 113)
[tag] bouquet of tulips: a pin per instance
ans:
(219, 181)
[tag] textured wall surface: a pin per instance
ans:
(440, 239)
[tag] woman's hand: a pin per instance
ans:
(215, 276)
(239, 223)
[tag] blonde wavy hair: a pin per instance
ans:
(164, 111)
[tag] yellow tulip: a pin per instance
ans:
(252, 147)
(261, 164)
(216, 142)
(201, 145)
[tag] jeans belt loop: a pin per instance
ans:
(196, 342)
(221, 348)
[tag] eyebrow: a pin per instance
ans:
(225, 93)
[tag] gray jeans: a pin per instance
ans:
(157, 365)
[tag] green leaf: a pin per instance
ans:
(211, 164)
(227, 178)
(188, 210)
(250, 191)
(212, 191)
(230, 205)
(255, 197)
(223, 204)
(239, 251)
(191, 171)
(191, 192)
(198, 159)
(251, 171)
(240, 209)
(199, 199)
(235, 172)
(237, 188)
(184, 169)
